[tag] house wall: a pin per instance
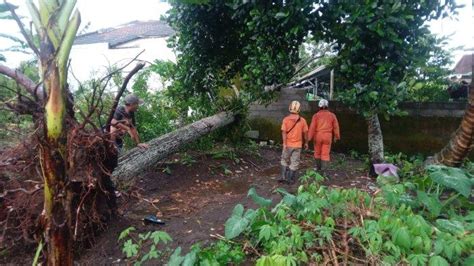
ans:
(426, 128)
(93, 60)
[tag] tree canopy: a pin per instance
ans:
(379, 44)
(245, 44)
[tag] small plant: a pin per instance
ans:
(311, 176)
(354, 154)
(187, 160)
(225, 169)
(167, 170)
(142, 247)
(226, 153)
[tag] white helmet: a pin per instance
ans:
(295, 107)
(323, 103)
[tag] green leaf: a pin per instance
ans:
(158, 236)
(126, 232)
(432, 203)
(152, 254)
(4, 7)
(454, 178)
(401, 237)
(238, 222)
(438, 261)
(130, 249)
(264, 261)
(261, 201)
(469, 261)
(176, 259)
(266, 232)
(454, 227)
(191, 258)
(418, 259)
(281, 15)
(288, 198)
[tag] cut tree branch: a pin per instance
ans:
(120, 93)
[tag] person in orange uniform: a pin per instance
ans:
(294, 130)
(323, 130)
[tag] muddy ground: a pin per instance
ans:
(196, 195)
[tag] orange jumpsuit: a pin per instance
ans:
(324, 126)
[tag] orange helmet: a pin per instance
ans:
(295, 107)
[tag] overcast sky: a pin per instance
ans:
(108, 13)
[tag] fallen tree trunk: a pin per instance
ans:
(138, 160)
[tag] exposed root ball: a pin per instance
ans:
(91, 158)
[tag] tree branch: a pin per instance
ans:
(120, 93)
(22, 28)
(23, 80)
(122, 68)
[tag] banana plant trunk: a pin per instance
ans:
(375, 140)
(460, 144)
(57, 30)
(57, 213)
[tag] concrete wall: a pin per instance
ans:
(426, 128)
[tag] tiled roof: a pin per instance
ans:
(126, 33)
(464, 66)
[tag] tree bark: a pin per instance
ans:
(459, 146)
(34, 89)
(137, 160)
(375, 139)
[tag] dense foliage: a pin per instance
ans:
(231, 50)
(379, 44)
(14, 125)
(429, 80)
(427, 219)
(161, 112)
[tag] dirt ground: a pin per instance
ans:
(196, 199)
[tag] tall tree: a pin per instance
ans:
(236, 45)
(228, 52)
(377, 44)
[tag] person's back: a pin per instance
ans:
(323, 130)
(298, 125)
(294, 131)
(326, 121)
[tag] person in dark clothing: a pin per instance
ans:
(123, 122)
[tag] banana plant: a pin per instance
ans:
(56, 22)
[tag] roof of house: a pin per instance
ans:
(125, 33)
(464, 66)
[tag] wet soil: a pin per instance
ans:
(196, 198)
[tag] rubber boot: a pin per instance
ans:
(284, 174)
(318, 164)
(324, 168)
(291, 177)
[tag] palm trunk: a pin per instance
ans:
(375, 139)
(459, 146)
